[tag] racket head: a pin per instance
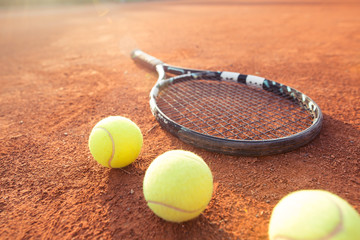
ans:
(224, 116)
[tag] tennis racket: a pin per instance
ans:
(229, 112)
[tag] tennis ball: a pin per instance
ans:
(115, 142)
(314, 215)
(178, 186)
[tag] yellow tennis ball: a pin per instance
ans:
(115, 142)
(314, 215)
(178, 186)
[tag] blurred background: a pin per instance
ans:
(54, 2)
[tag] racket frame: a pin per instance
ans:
(222, 145)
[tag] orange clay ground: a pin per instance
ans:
(62, 69)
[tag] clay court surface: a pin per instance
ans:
(62, 69)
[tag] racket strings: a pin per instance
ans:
(286, 123)
(256, 122)
(232, 111)
(184, 110)
(249, 121)
(190, 114)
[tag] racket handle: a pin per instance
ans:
(144, 58)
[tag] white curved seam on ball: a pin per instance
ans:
(340, 225)
(113, 145)
(175, 208)
(338, 228)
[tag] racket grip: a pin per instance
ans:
(146, 59)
